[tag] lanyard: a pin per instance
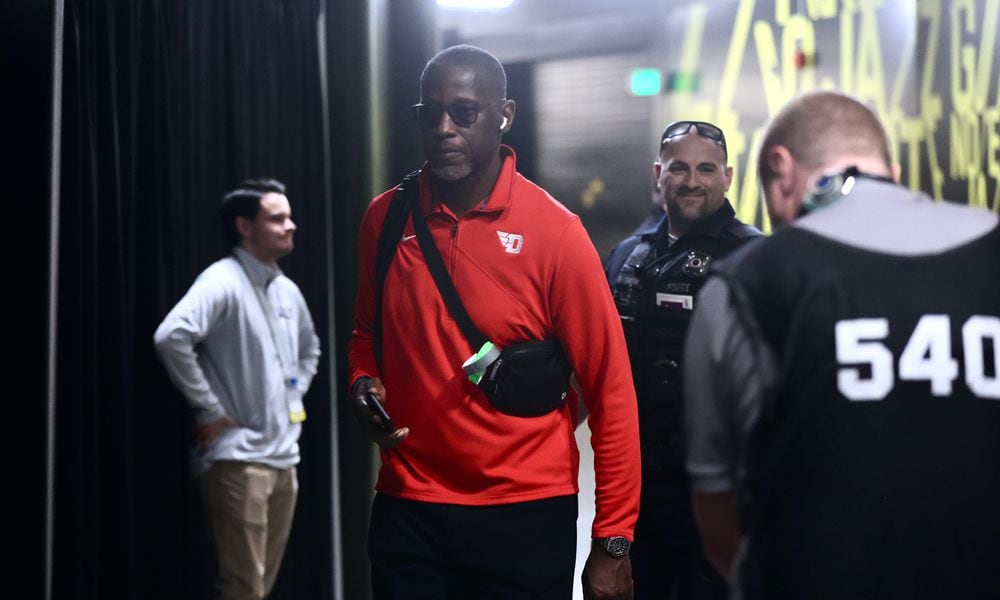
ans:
(265, 307)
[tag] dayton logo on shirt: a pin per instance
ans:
(512, 242)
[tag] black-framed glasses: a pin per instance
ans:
(705, 130)
(462, 113)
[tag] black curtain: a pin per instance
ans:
(168, 103)
(26, 50)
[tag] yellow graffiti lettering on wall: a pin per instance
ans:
(929, 69)
(990, 114)
(915, 133)
(775, 92)
(931, 105)
(869, 73)
(991, 124)
(971, 75)
(797, 35)
(782, 11)
(967, 157)
(846, 45)
(821, 9)
(915, 123)
(987, 47)
(816, 9)
(749, 206)
(963, 56)
(963, 142)
(745, 201)
(684, 103)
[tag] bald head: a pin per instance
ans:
(814, 134)
(822, 130)
(488, 69)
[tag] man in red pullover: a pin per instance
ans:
(472, 502)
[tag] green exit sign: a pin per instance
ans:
(683, 82)
(645, 82)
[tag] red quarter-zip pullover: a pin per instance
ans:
(525, 270)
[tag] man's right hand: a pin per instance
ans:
(206, 433)
(605, 577)
(370, 422)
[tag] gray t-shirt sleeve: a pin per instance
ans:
(726, 373)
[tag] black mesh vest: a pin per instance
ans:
(874, 471)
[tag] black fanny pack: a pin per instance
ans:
(527, 379)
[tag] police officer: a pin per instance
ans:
(655, 275)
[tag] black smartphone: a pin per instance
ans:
(376, 407)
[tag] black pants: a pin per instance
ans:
(451, 552)
(667, 560)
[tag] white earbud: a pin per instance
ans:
(503, 123)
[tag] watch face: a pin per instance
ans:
(617, 546)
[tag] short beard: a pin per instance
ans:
(452, 172)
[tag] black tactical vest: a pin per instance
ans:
(654, 286)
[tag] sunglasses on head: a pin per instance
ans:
(461, 113)
(705, 130)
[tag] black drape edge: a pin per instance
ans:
(55, 167)
(337, 542)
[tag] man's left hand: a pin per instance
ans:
(605, 577)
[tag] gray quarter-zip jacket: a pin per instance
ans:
(231, 345)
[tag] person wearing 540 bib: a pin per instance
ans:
(843, 379)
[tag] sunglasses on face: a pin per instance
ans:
(705, 130)
(462, 114)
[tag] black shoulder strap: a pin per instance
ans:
(407, 194)
(444, 284)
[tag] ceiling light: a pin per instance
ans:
(475, 4)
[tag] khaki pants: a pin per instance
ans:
(250, 508)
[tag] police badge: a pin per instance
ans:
(697, 264)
